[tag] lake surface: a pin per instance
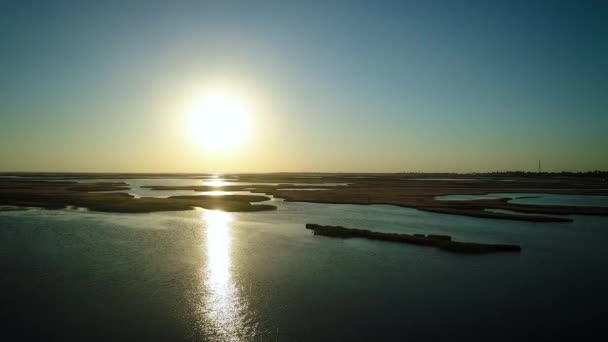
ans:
(209, 275)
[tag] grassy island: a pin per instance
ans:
(443, 242)
(94, 196)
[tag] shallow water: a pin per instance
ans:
(535, 198)
(209, 275)
(138, 186)
(444, 179)
(304, 189)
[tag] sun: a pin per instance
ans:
(220, 122)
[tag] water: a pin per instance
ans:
(444, 179)
(210, 275)
(304, 189)
(536, 198)
(511, 212)
(138, 186)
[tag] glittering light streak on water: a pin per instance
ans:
(222, 302)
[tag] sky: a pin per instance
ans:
(331, 86)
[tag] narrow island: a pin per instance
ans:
(443, 242)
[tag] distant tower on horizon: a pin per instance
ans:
(540, 170)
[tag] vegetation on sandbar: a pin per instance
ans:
(405, 190)
(443, 242)
(420, 193)
(59, 195)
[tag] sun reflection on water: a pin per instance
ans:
(215, 182)
(223, 299)
(215, 193)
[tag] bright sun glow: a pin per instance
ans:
(220, 122)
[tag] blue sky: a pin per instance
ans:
(337, 85)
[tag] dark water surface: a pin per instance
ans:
(209, 275)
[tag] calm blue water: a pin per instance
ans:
(208, 275)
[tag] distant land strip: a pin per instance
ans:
(420, 193)
(417, 191)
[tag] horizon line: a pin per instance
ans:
(302, 172)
